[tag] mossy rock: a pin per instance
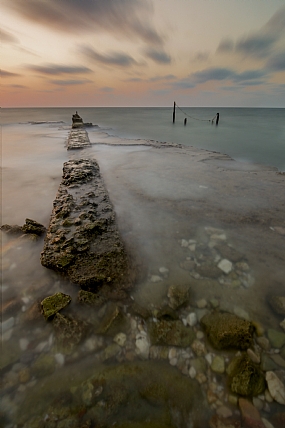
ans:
(32, 226)
(171, 333)
(43, 366)
(53, 304)
(227, 331)
(178, 295)
(277, 303)
(69, 332)
(246, 377)
(114, 321)
(166, 313)
(91, 299)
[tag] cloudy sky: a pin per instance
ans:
(142, 53)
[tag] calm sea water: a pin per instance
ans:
(160, 201)
(251, 134)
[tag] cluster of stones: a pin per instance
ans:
(31, 229)
(78, 139)
(205, 345)
(212, 257)
(82, 240)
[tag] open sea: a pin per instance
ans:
(180, 210)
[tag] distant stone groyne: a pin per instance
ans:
(82, 240)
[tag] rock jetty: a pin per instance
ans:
(82, 240)
(78, 139)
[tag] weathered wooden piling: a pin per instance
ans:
(173, 115)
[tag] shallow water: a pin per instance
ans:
(162, 196)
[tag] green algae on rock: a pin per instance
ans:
(172, 333)
(69, 332)
(53, 304)
(82, 239)
(178, 295)
(91, 299)
(226, 331)
(246, 377)
(114, 321)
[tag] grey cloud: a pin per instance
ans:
(159, 78)
(226, 45)
(113, 58)
(213, 74)
(260, 44)
(158, 56)
(55, 70)
(277, 62)
(6, 37)
(4, 73)
(248, 77)
(184, 84)
(257, 45)
(128, 18)
(69, 82)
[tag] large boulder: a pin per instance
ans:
(227, 331)
(171, 333)
(246, 377)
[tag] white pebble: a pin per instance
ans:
(192, 372)
(224, 411)
(142, 345)
(202, 303)
(60, 359)
(209, 358)
(173, 361)
(163, 270)
(172, 353)
(200, 335)
(25, 300)
(41, 346)
(120, 339)
(192, 247)
(24, 343)
(7, 324)
(225, 265)
(184, 243)
(192, 319)
(155, 278)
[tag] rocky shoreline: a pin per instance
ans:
(184, 363)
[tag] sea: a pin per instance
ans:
(172, 208)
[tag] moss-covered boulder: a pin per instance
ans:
(114, 321)
(32, 226)
(69, 332)
(226, 331)
(178, 295)
(43, 366)
(53, 304)
(277, 303)
(171, 333)
(246, 377)
(91, 299)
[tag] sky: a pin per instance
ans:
(100, 53)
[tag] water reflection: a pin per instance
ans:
(182, 212)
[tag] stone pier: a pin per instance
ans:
(82, 240)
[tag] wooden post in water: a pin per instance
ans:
(173, 116)
(185, 121)
(217, 118)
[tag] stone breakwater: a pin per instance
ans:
(78, 139)
(82, 240)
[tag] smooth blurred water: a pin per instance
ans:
(250, 134)
(161, 197)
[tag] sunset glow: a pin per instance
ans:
(142, 53)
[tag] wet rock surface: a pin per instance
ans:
(78, 139)
(82, 239)
(31, 228)
(227, 331)
(53, 304)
